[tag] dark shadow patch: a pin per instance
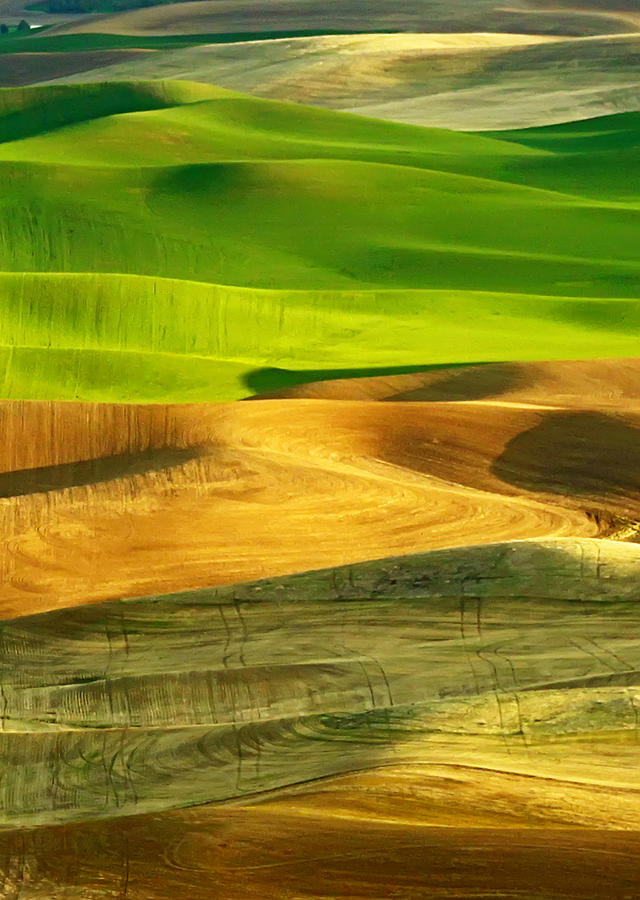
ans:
(264, 380)
(66, 105)
(575, 453)
(45, 479)
(471, 383)
(197, 180)
(21, 69)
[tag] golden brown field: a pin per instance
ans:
(91, 509)
(463, 721)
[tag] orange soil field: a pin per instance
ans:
(311, 852)
(114, 501)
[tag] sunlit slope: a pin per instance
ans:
(92, 495)
(588, 384)
(136, 338)
(169, 124)
(466, 81)
(210, 131)
(154, 236)
(596, 157)
(518, 657)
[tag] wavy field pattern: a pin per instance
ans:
(234, 490)
(224, 694)
(373, 631)
(467, 81)
(371, 257)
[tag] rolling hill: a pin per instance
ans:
(464, 81)
(91, 508)
(513, 657)
(469, 64)
(372, 632)
(401, 719)
(493, 690)
(227, 16)
(348, 244)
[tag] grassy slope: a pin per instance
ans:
(68, 43)
(68, 336)
(381, 244)
(178, 682)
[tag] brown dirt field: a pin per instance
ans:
(112, 501)
(308, 851)
(274, 489)
(100, 500)
(575, 384)
(20, 69)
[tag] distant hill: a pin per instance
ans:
(466, 81)
(202, 16)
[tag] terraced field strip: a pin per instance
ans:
(520, 657)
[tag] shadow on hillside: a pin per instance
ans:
(45, 479)
(470, 383)
(268, 379)
(575, 453)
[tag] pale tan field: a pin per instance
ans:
(461, 81)
(517, 657)
(456, 64)
(209, 16)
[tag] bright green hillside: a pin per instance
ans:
(133, 337)
(274, 235)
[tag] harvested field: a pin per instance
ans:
(236, 490)
(470, 81)
(248, 854)
(374, 632)
(594, 384)
(442, 15)
(18, 69)
(516, 657)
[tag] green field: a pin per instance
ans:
(17, 42)
(172, 241)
